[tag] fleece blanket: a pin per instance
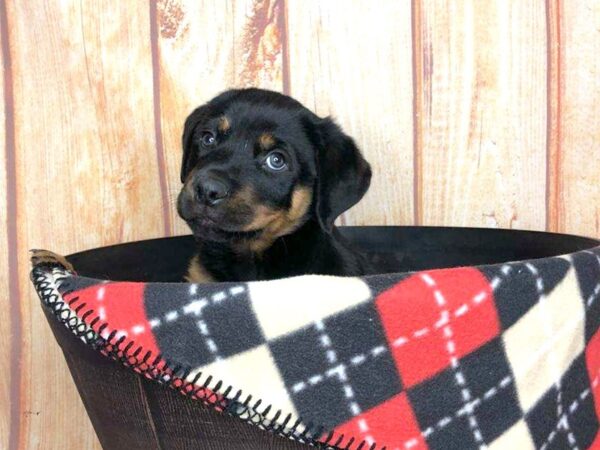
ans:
(501, 356)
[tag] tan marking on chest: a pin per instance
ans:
(197, 273)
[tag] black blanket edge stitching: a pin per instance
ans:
(51, 289)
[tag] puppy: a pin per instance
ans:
(263, 181)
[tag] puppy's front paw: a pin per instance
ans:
(49, 259)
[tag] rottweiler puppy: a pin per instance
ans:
(263, 180)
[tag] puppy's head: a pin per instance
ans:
(257, 165)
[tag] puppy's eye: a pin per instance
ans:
(276, 161)
(208, 139)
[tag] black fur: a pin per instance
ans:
(319, 156)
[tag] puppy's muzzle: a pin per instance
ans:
(211, 189)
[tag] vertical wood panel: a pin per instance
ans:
(484, 113)
(507, 115)
(553, 89)
(352, 60)
(206, 47)
(5, 325)
(86, 171)
(575, 172)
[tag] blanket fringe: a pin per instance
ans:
(52, 285)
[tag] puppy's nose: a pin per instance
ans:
(212, 191)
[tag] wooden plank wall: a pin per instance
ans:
(482, 134)
(475, 113)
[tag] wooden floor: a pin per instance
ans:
(477, 113)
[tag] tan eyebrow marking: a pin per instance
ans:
(266, 141)
(224, 124)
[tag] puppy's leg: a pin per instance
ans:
(197, 273)
(50, 259)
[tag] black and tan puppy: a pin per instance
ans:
(263, 181)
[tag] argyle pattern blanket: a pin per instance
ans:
(500, 356)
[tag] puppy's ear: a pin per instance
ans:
(190, 153)
(343, 175)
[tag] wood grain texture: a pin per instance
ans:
(575, 172)
(5, 303)
(353, 61)
(475, 113)
(86, 175)
(553, 92)
(483, 100)
(206, 47)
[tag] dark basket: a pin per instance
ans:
(131, 412)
